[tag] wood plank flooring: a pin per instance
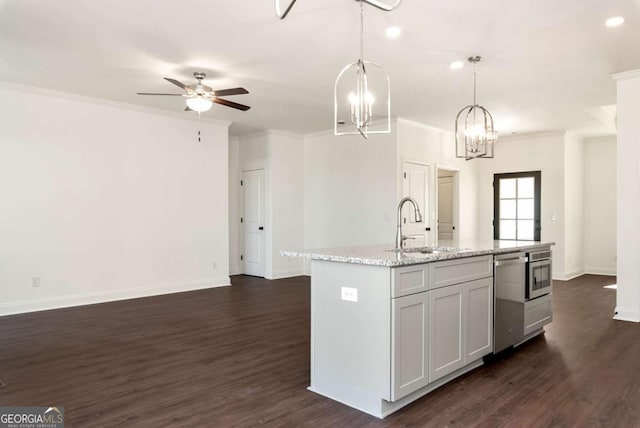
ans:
(239, 357)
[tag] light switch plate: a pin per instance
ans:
(349, 294)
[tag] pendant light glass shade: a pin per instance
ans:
(474, 130)
(362, 96)
(199, 104)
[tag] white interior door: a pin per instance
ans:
(447, 205)
(445, 208)
(415, 183)
(253, 222)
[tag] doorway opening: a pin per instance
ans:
(416, 181)
(447, 201)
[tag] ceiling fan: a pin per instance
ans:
(201, 97)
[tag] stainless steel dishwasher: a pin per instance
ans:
(510, 285)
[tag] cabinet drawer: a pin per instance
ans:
(537, 313)
(409, 280)
(451, 272)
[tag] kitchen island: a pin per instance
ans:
(388, 327)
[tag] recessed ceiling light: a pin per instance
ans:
(393, 32)
(456, 65)
(614, 22)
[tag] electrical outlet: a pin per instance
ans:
(349, 294)
(35, 281)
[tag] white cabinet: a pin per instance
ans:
(460, 326)
(456, 271)
(410, 344)
(479, 330)
(442, 320)
(446, 323)
(409, 280)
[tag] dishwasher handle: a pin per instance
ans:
(515, 261)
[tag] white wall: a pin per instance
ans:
(281, 156)
(253, 154)
(628, 189)
(105, 201)
(532, 152)
(350, 190)
(235, 207)
(600, 206)
(421, 143)
(573, 206)
(286, 159)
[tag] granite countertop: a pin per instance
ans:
(379, 255)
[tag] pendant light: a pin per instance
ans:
(476, 135)
(361, 88)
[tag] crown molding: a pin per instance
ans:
(423, 126)
(268, 132)
(626, 75)
(107, 103)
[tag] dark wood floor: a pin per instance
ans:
(239, 357)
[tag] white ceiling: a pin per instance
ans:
(546, 63)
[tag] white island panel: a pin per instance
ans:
(350, 351)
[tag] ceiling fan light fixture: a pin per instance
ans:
(199, 104)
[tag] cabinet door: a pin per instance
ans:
(410, 354)
(446, 324)
(479, 331)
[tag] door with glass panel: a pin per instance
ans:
(516, 206)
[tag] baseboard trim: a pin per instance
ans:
(594, 270)
(627, 314)
(569, 275)
(287, 274)
(70, 300)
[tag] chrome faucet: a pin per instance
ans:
(400, 238)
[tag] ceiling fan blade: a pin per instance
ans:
(233, 91)
(149, 93)
(231, 104)
(177, 83)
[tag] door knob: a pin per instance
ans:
(261, 228)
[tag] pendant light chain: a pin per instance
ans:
(362, 31)
(475, 78)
